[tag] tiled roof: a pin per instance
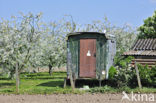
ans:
(145, 44)
(143, 47)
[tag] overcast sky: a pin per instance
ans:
(118, 12)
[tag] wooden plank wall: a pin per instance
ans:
(149, 62)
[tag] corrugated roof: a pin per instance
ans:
(144, 53)
(143, 47)
(145, 44)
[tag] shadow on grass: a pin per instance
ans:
(79, 83)
(7, 91)
(6, 84)
(89, 82)
(43, 73)
(53, 74)
(1, 78)
(52, 84)
(42, 77)
(50, 77)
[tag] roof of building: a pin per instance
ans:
(78, 33)
(82, 33)
(143, 47)
(143, 53)
(145, 44)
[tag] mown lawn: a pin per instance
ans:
(36, 83)
(42, 83)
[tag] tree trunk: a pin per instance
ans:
(50, 70)
(12, 73)
(38, 69)
(17, 79)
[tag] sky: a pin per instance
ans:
(118, 12)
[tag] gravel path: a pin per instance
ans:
(66, 98)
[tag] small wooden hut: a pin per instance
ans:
(144, 51)
(90, 54)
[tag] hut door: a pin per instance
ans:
(87, 58)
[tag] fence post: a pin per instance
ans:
(71, 80)
(138, 76)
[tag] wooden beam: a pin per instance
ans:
(150, 60)
(138, 76)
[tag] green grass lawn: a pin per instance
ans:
(36, 83)
(42, 83)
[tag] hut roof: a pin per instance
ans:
(143, 47)
(93, 33)
(78, 33)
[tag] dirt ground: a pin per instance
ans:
(67, 98)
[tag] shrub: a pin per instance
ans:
(123, 75)
(153, 75)
(147, 75)
(112, 72)
(144, 73)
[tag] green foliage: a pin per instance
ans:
(124, 74)
(18, 39)
(124, 63)
(145, 90)
(144, 72)
(148, 29)
(125, 77)
(153, 75)
(104, 89)
(108, 89)
(147, 75)
(112, 72)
